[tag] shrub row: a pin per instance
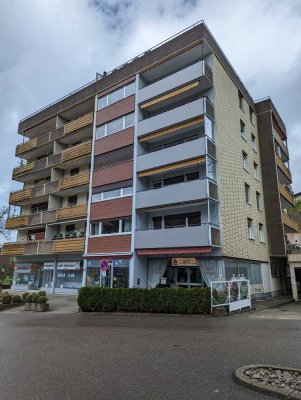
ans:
(165, 300)
(39, 297)
(6, 298)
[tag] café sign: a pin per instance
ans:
(184, 262)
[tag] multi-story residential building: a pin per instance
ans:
(164, 171)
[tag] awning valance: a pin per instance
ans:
(173, 251)
(169, 95)
(171, 129)
(172, 167)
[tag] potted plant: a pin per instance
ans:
(42, 305)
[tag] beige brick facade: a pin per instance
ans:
(234, 211)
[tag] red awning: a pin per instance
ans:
(171, 252)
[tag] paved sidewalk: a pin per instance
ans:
(271, 302)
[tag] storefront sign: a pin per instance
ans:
(183, 262)
(74, 265)
(258, 288)
(48, 265)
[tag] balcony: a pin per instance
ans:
(73, 153)
(19, 196)
(73, 181)
(29, 195)
(16, 222)
(76, 245)
(199, 70)
(170, 155)
(179, 193)
(283, 168)
(78, 123)
(76, 152)
(195, 236)
(290, 223)
(287, 200)
(13, 249)
(173, 117)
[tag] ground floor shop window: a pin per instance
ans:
(47, 278)
(69, 275)
(28, 276)
(241, 269)
(116, 275)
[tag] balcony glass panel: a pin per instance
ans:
(211, 168)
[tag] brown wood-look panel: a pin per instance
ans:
(109, 209)
(77, 151)
(72, 212)
(23, 147)
(115, 141)
(115, 173)
(12, 249)
(115, 110)
(78, 123)
(75, 180)
(19, 196)
(16, 222)
(109, 244)
(69, 245)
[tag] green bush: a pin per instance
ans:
(17, 299)
(35, 298)
(24, 295)
(28, 298)
(6, 299)
(163, 300)
(42, 293)
(42, 299)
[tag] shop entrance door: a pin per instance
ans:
(189, 277)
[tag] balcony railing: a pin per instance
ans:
(289, 222)
(78, 123)
(79, 151)
(16, 222)
(24, 195)
(73, 245)
(195, 236)
(287, 194)
(48, 137)
(283, 168)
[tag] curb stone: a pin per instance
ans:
(241, 379)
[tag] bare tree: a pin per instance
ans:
(3, 215)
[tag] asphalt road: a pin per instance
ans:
(50, 356)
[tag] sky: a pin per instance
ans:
(49, 48)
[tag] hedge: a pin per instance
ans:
(163, 300)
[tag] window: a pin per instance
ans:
(112, 194)
(157, 184)
(157, 222)
(242, 130)
(37, 208)
(173, 180)
(251, 115)
(247, 193)
(241, 101)
(70, 228)
(109, 227)
(253, 139)
(192, 177)
(256, 172)
(115, 125)
(245, 161)
(72, 201)
(261, 233)
(250, 228)
(178, 220)
(117, 95)
(112, 227)
(126, 225)
(258, 201)
(74, 171)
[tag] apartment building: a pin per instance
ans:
(163, 172)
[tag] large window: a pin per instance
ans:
(115, 125)
(176, 179)
(251, 271)
(177, 220)
(112, 194)
(117, 95)
(111, 227)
